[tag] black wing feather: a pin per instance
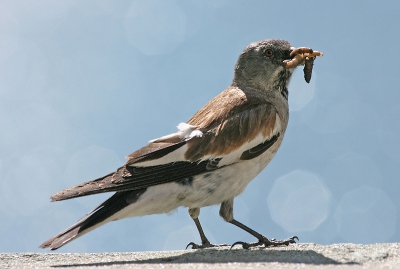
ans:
(259, 149)
(135, 178)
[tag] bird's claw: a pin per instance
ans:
(267, 242)
(204, 245)
(276, 243)
(194, 245)
(244, 244)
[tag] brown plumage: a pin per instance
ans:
(231, 119)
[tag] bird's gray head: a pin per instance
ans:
(261, 66)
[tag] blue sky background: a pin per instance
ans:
(85, 83)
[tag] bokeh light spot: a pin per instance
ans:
(333, 109)
(299, 201)
(351, 171)
(366, 215)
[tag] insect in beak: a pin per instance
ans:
(303, 56)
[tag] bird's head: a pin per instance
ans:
(268, 64)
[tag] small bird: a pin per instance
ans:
(211, 158)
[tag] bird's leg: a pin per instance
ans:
(226, 212)
(194, 213)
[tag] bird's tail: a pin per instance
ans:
(99, 216)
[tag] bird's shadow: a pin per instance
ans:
(228, 256)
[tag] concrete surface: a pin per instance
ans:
(295, 256)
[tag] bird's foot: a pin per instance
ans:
(268, 242)
(205, 244)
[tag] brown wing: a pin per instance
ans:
(231, 119)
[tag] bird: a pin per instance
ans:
(211, 158)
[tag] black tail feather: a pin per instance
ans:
(95, 218)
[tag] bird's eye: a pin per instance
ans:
(268, 52)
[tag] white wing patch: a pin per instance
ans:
(185, 132)
(188, 131)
